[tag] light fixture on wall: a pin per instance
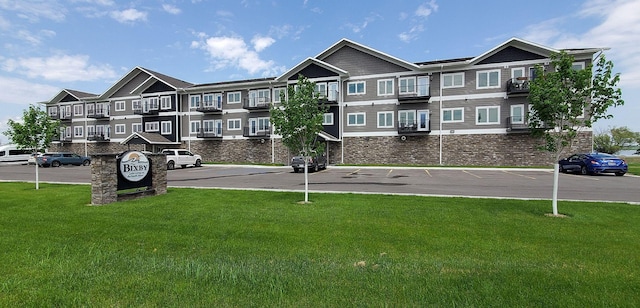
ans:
(403, 138)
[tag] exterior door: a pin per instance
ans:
(332, 94)
(423, 86)
(253, 127)
(423, 120)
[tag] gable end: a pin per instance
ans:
(511, 54)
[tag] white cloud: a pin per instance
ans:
(412, 34)
(261, 42)
(34, 38)
(357, 28)
(227, 51)
(426, 9)
(34, 10)
(171, 9)
(24, 92)
(129, 16)
(64, 68)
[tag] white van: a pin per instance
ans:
(9, 153)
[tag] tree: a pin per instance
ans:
(603, 143)
(35, 132)
(565, 100)
(614, 139)
(298, 119)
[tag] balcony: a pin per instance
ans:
(331, 97)
(212, 133)
(99, 137)
(254, 132)
(65, 117)
(99, 114)
(146, 109)
(63, 139)
(210, 107)
(415, 94)
(518, 85)
(414, 128)
(517, 125)
(257, 103)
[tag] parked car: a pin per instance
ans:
(594, 163)
(315, 163)
(181, 158)
(33, 158)
(62, 158)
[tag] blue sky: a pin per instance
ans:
(87, 45)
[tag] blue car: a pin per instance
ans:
(593, 163)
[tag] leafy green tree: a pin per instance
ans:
(623, 136)
(34, 132)
(565, 100)
(603, 143)
(298, 119)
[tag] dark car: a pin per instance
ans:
(62, 158)
(594, 163)
(315, 163)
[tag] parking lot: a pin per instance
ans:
(501, 183)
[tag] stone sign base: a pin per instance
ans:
(104, 179)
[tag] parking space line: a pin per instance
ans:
(469, 173)
(427, 171)
(580, 176)
(389, 172)
(522, 175)
(354, 172)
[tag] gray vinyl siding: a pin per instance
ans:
(126, 89)
(358, 63)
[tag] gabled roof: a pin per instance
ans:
(346, 42)
(307, 62)
(78, 95)
(148, 138)
(169, 81)
(518, 43)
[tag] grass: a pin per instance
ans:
(245, 248)
(634, 164)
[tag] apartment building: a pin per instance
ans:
(382, 110)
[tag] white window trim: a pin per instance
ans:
(452, 119)
(78, 131)
(120, 129)
(415, 85)
(488, 72)
(120, 106)
(487, 108)
(276, 98)
(453, 85)
(163, 100)
(138, 125)
(385, 85)
(581, 64)
(364, 88)
(78, 110)
(152, 126)
(162, 126)
(198, 127)
(239, 121)
(324, 117)
(515, 69)
(364, 118)
(387, 113)
(229, 94)
(197, 104)
(511, 114)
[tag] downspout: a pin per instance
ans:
(440, 116)
(273, 141)
(341, 114)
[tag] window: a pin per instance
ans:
(276, 94)
(165, 127)
(91, 130)
(406, 118)
(454, 80)
(153, 103)
(120, 129)
(488, 79)
(517, 114)
(151, 126)
(385, 119)
(233, 124)
(487, 115)
(194, 101)
(90, 109)
(77, 110)
(135, 105)
(578, 66)
(356, 88)
(407, 85)
(53, 111)
(356, 119)
(194, 127)
(212, 127)
(120, 105)
(452, 115)
(327, 119)
(385, 87)
(321, 89)
(165, 102)
(259, 97)
(213, 100)
(517, 72)
(78, 131)
(136, 127)
(233, 97)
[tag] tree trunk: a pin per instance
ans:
(556, 176)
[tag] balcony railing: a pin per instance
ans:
(210, 133)
(100, 137)
(414, 127)
(146, 109)
(518, 85)
(257, 103)
(414, 94)
(64, 116)
(255, 132)
(331, 97)
(210, 107)
(100, 113)
(517, 124)
(64, 139)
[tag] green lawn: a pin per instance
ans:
(243, 248)
(634, 164)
